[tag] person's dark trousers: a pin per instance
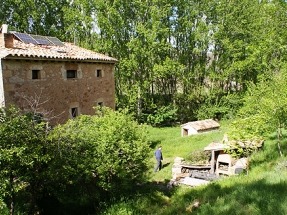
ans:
(158, 165)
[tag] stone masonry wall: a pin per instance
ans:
(55, 93)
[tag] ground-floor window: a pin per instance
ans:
(74, 112)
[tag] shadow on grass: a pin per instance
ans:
(165, 165)
(256, 198)
(154, 187)
(146, 198)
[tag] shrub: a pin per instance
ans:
(23, 159)
(224, 107)
(198, 157)
(166, 115)
(98, 156)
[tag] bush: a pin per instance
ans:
(98, 156)
(226, 107)
(164, 116)
(198, 157)
(23, 159)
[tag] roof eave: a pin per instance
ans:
(11, 57)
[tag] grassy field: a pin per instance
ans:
(173, 145)
(261, 191)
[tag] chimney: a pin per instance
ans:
(4, 29)
(6, 39)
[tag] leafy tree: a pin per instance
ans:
(139, 34)
(184, 53)
(164, 116)
(34, 16)
(97, 156)
(264, 110)
(23, 159)
(92, 157)
(225, 107)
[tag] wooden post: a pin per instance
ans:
(212, 162)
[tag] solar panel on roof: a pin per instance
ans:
(25, 38)
(41, 40)
(55, 41)
(38, 39)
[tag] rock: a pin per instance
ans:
(241, 163)
(193, 181)
(194, 205)
(178, 160)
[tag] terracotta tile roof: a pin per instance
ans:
(202, 124)
(67, 52)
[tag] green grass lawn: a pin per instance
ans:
(173, 145)
(261, 191)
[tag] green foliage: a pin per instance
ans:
(198, 157)
(37, 17)
(122, 208)
(98, 155)
(264, 109)
(76, 165)
(165, 48)
(220, 107)
(244, 148)
(164, 116)
(249, 127)
(187, 106)
(261, 191)
(23, 158)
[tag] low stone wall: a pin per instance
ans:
(176, 168)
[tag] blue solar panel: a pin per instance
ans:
(55, 41)
(38, 39)
(25, 38)
(41, 40)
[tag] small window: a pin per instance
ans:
(99, 73)
(100, 104)
(36, 74)
(71, 73)
(74, 112)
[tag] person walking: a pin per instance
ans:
(158, 157)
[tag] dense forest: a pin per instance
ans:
(178, 60)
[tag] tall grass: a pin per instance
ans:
(262, 190)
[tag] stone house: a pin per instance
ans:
(200, 126)
(55, 79)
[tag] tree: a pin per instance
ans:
(264, 110)
(97, 156)
(184, 53)
(92, 157)
(23, 159)
(139, 34)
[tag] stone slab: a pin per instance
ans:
(193, 181)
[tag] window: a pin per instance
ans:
(36, 74)
(71, 73)
(99, 73)
(100, 104)
(74, 112)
